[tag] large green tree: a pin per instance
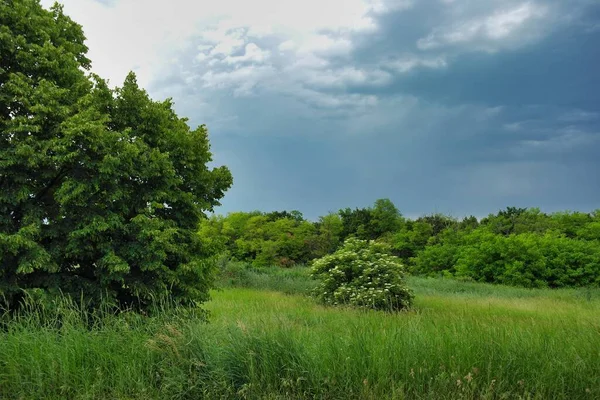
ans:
(101, 190)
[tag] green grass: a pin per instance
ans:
(295, 280)
(462, 340)
(537, 347)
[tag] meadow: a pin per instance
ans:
(267, 340)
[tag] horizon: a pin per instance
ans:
(405, 216)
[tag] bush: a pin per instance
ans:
(362, 274)
(525, 259)
(436, 260)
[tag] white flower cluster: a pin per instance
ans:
(362, 274)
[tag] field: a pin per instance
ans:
(267, 340)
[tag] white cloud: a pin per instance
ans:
(300, 49)
(146, 35)
(539, 124)
(287, 45)
(512, 26)
(345, 76)
(132, 35)
(385, 6)
(513, 126)
(252, 53)
(331, 103)
(227, 46)
(241, 80)
(309, 61)
(491, 112)
(409, 62)
(325, 45)
(502, 24)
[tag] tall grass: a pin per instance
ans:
(451, 347)
(294, 280)
(297, 280)
(462, 341)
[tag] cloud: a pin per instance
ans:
(144, 36)
(387, 6)
(407, 63)
(324, 45)
(341, 77)
(239, 48)
(510, 26)
(579, 116)
(460, 106)
(561, 142)
(287, 45)
(307, 50)
(252, 54)
(425, 157)
(107, 2)
(241, 80)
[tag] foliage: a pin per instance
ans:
(357, 223)
(363, 274)
(261, 238)
(514, 220)
(526, 259)
(329, 234)
(517, 246)
(102, 190)
(372, 222)
(412, 238)
(386, 218)
(438, 222)
(294, 214)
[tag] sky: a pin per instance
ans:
(462, 107)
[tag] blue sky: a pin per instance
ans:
(454, 106)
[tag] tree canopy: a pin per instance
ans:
(102, 189)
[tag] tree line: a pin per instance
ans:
(516, 246)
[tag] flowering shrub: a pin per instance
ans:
(362, 274)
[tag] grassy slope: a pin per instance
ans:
(462, 341)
